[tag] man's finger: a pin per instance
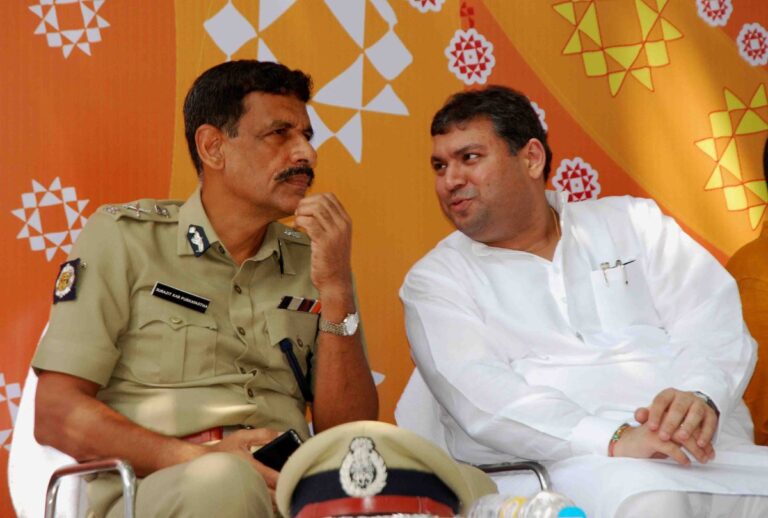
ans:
(708, 427)
(676, 412)
(692, 421)
(659, 405)
(641, 415)
(708, 448)
(697, 451)
(672, 450)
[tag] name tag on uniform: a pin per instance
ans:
(182, 298)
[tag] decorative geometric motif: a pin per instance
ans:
(542, 115)
(229, 29)
(617, 60)
(389, 56)
(82, 34)
(427, 5)
(578, 179)
(715, 12)
(53, 217)
(730, 127)
(10, 394)
(470, 56)
(753, 44)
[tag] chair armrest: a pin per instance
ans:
(125, 470)
(538, 469)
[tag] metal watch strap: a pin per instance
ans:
(343, 327)
(332, 327)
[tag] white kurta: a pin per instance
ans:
(532, 359)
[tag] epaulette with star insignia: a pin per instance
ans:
(286, 233)
(145, 209)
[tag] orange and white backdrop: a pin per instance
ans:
(659, 98)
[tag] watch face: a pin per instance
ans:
(351, 323)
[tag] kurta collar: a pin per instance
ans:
(557, 200)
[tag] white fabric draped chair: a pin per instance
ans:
(46, 482)
(418, 411)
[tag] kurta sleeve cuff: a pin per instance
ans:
(593, 434)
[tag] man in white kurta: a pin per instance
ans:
(541, 327)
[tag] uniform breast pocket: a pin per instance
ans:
(173, 343)
(299, 327)
(622, 296)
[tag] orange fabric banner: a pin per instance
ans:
(656, 98)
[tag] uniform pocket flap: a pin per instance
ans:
(299, 327)
(173, 315)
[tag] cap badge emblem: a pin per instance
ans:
(363, 472)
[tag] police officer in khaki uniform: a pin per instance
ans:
(184, 335)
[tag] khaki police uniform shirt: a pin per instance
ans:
(165, 366)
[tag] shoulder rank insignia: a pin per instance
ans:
(197, 239)
(292, 233)
(65, 282)
(363, 472)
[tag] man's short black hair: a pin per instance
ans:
(510, 112)
(216, 97)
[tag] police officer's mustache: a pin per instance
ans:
(293, 171)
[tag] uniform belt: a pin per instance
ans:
(216, 433)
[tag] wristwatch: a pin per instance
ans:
(346, 327)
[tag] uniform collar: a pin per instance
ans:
(192, 213)
(273, 245)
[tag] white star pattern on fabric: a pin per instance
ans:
(470, 56)
(389, 56)
(44, 213)
(69, 38)
(542, 115)
(753, 44)
(427, 5)
(715, 12)
(578, 179)
(230, 30)
(10, 394)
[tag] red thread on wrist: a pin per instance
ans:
(615, 438)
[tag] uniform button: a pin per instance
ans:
(238, 288)
(241, 331)
(250, 393)
(175, 320)
(221, 250)
(242, 370)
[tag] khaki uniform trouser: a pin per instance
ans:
(216, 484)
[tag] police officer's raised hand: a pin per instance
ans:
(329, 228)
